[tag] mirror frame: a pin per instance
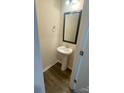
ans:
(78, 26)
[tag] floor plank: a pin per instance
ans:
(57, 81)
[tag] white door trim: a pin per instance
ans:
(39, 86)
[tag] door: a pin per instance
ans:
(80, 74)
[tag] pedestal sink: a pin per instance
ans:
(65, 53)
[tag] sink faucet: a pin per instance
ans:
(66, 45)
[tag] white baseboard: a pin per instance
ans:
(49, 66)
(69, 67)
(82, 90)
(53, 65)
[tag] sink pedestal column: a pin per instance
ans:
(64, 63)
(65, 52)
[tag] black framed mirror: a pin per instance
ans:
(71, 26)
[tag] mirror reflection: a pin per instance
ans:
(71, 26)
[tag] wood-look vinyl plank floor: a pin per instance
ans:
(57, 81)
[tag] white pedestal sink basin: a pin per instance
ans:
(65, 52)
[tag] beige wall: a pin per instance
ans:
(48, 12)
(68, 8)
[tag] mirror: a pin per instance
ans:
(71, 26)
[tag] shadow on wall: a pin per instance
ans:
(57, 4)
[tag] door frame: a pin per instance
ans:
(84, 28)
(39, 86)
